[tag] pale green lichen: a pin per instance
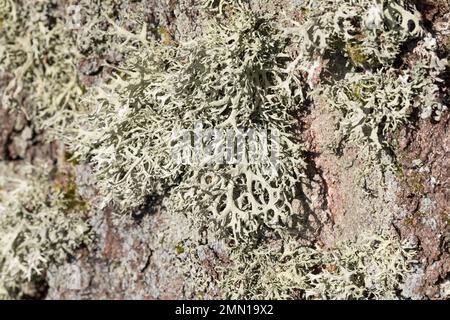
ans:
(374, 105)
(109, 28)
(40, 224)
(372, 268)
(235, 76)
(349, 51)
(369, 33)
(42, 44)
(243, 71)
(220, 6)
(37, 53)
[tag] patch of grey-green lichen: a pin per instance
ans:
(102, 26)
(348, 51)
(41, 223)
(374, 105)
(243, 71)
(220, 6)
(249, 85)
(37, 52)
(233, 76)
(41, 45)
(368, 33)
(372, 268)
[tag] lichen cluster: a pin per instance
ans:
(219, 6)
(244, 71)
(359, 43)
(232, 77)
(37, 57)
(41, 221)
(374, 267)
(367, 33)
(375, 105)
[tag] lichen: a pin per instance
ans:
(39, 226)
(221, 6)
(362, 30)
(244, 70)
(232, 77)
(374, 105)
(37, 50)
(374, 267)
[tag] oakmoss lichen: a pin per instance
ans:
(39, 226)
(243, 71)
(374, 267)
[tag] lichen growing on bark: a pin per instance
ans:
(121, 90)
